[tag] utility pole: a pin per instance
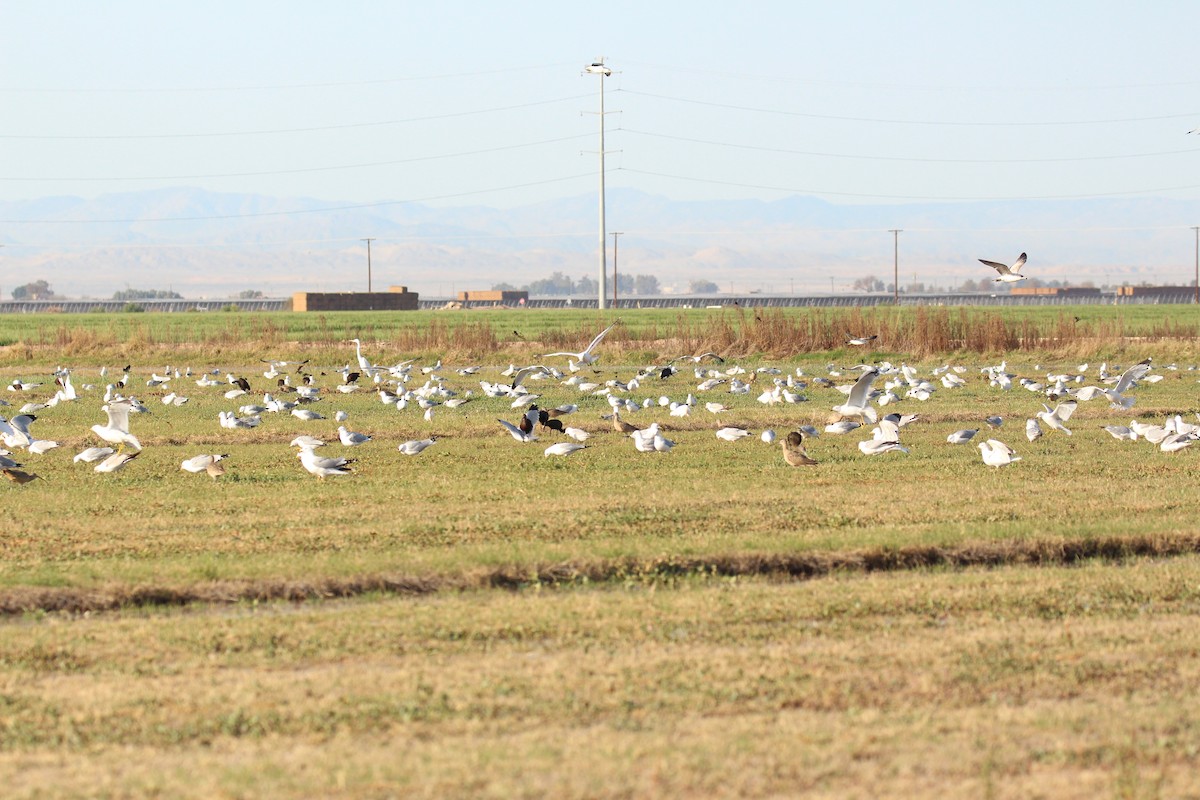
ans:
(368, 241)
(598, 68)
(896, 263)
(615, 234)
(1196, 296)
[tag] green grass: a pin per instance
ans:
(600, 625)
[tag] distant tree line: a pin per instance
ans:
(127, 295)
(35, 290)
(560, 285)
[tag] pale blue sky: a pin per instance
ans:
(471, 103)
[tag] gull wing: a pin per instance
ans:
(996, 265)
(861, 389)
(889, 431)
(998, 446)
(1131, 376)
(1020, 262)
(599, 338)
(525, 372)
(118, 415)
(1064, 410)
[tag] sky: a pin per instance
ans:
(461, 104)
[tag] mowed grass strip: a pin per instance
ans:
(1011, 682)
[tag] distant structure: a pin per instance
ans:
(1154, 291)
(1056, 291)
(494, 297)
(396, 298)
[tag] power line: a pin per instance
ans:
(881, 120)
(311, 129)
(788, 151)
(302, 170)
(278, 86)
(811, 191)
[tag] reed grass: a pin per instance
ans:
(916, 332)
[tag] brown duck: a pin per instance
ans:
(793, 451)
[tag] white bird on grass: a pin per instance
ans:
(963, 436)
(563, 448)
(414, 446)
(578, 434)
(117, 430)
(351, 438)
(197, 464)
(1121, 433)
(885, 439)
(1061, 413)
(731, 434)
(323, 467)
(93, 454)
(1032, 430)
(997, 454)
(117, 461)
(517, 433)
(858, 401)
(1129, 378)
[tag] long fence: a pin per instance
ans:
(840, 301)
(716, 301)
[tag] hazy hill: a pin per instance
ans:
(204, 243)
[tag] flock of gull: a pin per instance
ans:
(874, 388)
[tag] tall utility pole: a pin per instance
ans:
(896, 263)
(615, 235)
(368, 241)
(1196, 296)
(598, 68)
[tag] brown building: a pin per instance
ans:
(494, 297)
(396, 298)
(1153, 291)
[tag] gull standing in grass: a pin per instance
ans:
(116, 462)
(1032, 430)
(1061, 413)
(997, 454)
(963, 436)
(414, 446)
(117, 430)
(323, 467)
(197, 464)
(731, 434)
(886, 439)
(1129, 378)
(93, 454)
(350, 438)
(563, 449)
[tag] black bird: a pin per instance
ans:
(242, 384)
(352, 377)
(547, 421)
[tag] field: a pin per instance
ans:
(482, 620)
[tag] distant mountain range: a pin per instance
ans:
(208, 244)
